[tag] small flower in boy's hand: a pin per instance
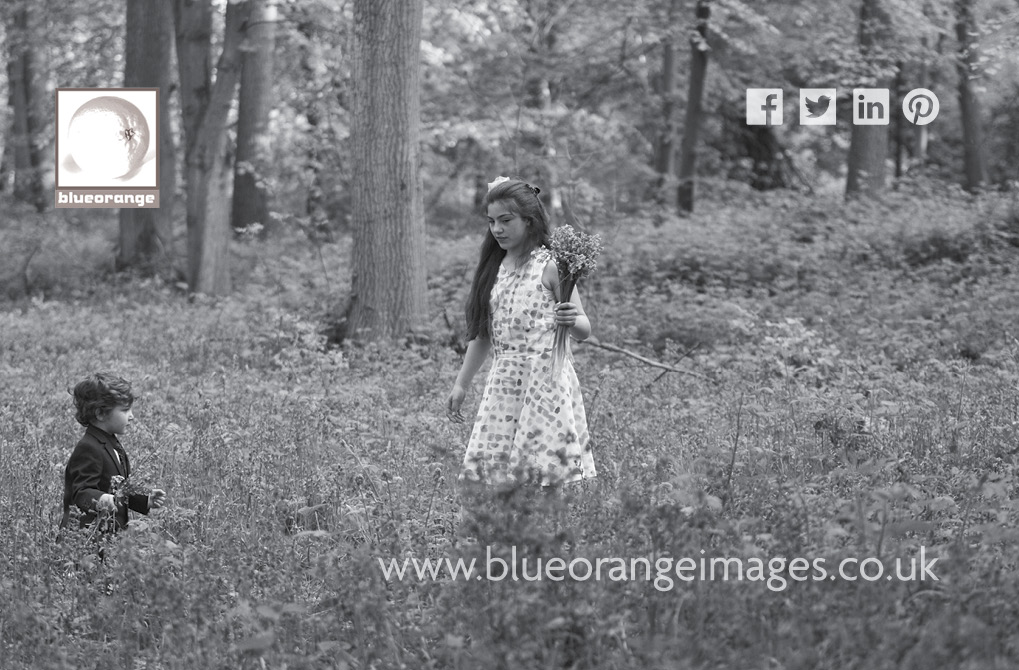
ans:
(157, 498)
(106, 503)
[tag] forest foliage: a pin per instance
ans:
(569, 93)
(572, 96)
(855, 386)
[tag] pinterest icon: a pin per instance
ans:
(920, 106)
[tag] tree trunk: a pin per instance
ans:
(251, 191)
(542, 101)
(899, 120)
(145, 234)
(540, 91)
(691, 128)
(26, 68)
(868, 151)
(919, 142)
(206, 107)
(388, 295)
(969, 102)
(665, 150)
(868, 148)
(314, 68)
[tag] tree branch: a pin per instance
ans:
(646, 361)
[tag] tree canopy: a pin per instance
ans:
(572, 95)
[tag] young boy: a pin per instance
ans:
(103, 405)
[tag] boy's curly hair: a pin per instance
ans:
(100, 392)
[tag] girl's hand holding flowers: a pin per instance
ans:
(566, 314)
(575, 254)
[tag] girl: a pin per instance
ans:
(527, 426)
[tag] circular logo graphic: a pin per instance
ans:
(920, 106)
(108, 137)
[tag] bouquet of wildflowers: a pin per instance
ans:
(575, 254)
(122, 488)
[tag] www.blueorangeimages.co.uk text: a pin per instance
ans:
(663, 572)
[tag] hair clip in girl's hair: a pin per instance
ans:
(534, 189)
(498, 180)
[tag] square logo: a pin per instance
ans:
(817, 106)
(871, 107)
(107, 147)
(764, 107)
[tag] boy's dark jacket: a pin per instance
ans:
(92, 465)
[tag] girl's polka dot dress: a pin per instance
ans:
(528, 427)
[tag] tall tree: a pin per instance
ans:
(308, 77)
(931, 50)
(868, 148)
(969, 102)
(691, 128)
(388, 271)
(251, 170)
(29, 134)
(665, 148)
(544, 26)
(206, 107)
(148, 56)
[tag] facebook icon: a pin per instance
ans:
(764, 107)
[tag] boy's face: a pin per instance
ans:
(116, 420)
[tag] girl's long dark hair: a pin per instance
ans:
(520, 199)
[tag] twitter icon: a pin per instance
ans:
(817, 106)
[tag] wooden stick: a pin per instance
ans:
(642, 359)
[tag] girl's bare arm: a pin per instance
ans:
(477, 352)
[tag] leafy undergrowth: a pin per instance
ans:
(856, 395)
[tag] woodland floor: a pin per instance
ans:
(856, 395)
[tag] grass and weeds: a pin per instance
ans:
(857, 397)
